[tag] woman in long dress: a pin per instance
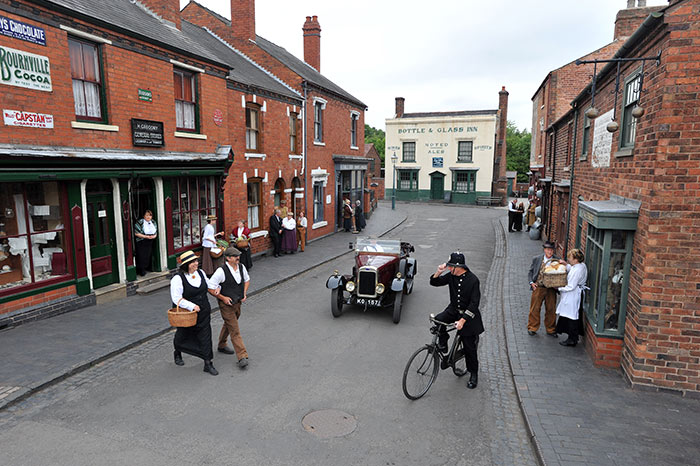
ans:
(360, 222)
(188, 290)
(289, 234)
(571, 294)
(241, 235)
(209, 235)
(145, 232)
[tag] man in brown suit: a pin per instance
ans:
(540, 293)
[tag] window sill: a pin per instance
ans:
(319, 225)
(94, 126)
(179, 134)
(354, 148)
(258, 234)
(319, 143)
(295, 157)
(465, 161)
(254, 155)
(626, 152)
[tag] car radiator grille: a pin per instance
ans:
(367, 283)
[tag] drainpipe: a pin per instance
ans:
(571, 181)
(304, 161)
(554, 172)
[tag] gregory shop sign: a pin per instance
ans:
(23, 31)
(24, 69)
(27, 119)
(147, 133)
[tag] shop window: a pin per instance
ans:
(32, 234)
(629, 123)
(464, 181)
(409, 152)
(408, 180)
(293, 133)
(185, 101)
(252, 129)
(465, 151)
(318, 121)
(87, 82)
(254, 203)
(318, 201)
(353, 129)
(193, 199)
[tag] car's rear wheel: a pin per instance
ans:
(397, 306)
(337, 302)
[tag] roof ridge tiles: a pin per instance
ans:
(246, 57)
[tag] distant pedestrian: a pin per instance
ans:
(360, 222)
(512, 211)
(530, 216)
(289, 234)
(347, 215)
(233, 280)
(302, 224)
(540, 293)
(209, 235)
(276, 232)
(188, 290)
(146, 232)
(241, 240)
(569, 306)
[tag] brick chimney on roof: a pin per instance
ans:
(169, 10)
(312, 42)
(243, 19)
(629, 19)
(399, 106)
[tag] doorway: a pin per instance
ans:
(103, 248)
(142, 199)
(437, 186)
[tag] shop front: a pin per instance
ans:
(350, 174)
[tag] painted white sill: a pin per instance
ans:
(354, 148)
(295, 156)
(95, 126)
(258, 234)
(319, 143)
(319, 225)
(179, 134)
(254, 155)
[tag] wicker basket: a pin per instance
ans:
(242, 243)
(216, 252)
(554, 280)
(181, 317)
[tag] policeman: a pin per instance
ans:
(462, 310)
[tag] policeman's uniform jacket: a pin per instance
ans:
(464, 299)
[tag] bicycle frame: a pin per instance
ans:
(446, 360)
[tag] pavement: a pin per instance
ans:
(41, 353)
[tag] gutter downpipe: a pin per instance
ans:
(571, 181)
(550, 197)
(304, 161)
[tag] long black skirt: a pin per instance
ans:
(196, 340)
(569, 326)
(246, 258)
(144, 252)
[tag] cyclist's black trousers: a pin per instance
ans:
(471, 342)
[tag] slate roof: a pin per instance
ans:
(307, 72)
(447, 114)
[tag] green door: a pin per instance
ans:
(103, 251)
(437, 186)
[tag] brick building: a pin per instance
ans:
(374, 173)
(626, 189)
(112, 108)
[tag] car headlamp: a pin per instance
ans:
(350, 287)
(380, 288)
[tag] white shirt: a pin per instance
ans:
(208, 239)
(289, 224)
(219, 276)
(177, 288)
(512, 208)
(239, 231)
(149, 228)
(571, 293)
(302, 222)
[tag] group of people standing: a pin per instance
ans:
(353, 219)
(288, 235)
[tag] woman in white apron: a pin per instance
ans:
(571, 294)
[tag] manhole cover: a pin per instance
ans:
(329, 423)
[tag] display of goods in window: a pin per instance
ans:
(554, 275)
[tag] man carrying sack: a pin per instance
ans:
(233, 281)
(540, 293)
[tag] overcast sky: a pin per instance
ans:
(440, 55)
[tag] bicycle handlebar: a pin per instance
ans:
(435, 321)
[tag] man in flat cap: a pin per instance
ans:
(233, 281)
(463, 310)
(540, 293)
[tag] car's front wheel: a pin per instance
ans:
(337, 302)
(398, 298)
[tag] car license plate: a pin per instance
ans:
(369, 302)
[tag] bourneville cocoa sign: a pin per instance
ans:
(24, 69)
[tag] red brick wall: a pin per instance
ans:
(604, 351)
(36, 299)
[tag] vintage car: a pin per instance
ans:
(382, 274)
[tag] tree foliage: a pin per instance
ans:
(518, 150)
(376, 137)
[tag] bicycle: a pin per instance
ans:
(422, 368)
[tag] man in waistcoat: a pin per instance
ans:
(540, 293)
(233, 281)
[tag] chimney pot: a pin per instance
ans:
(312, 42)
(400, 106)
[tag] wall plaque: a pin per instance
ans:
(147, 133)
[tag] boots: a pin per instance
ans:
(473, 380)
(209, 367)
(178, 358)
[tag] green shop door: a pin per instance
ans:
(437, 186)
(103, 251)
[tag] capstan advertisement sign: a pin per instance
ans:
(27, 119)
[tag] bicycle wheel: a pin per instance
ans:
(420, 373)
(459, 362)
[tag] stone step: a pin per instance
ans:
(110, 293)
(163, 282)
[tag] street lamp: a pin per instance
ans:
(394, 159)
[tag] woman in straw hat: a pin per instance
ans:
(209, 264)
(289, 236)
(188, 289)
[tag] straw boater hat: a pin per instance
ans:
(187, 257)
(290, 213)
(232, 252)
(211, 217)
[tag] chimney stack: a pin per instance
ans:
(169, 10)
(312, 42)
(399, 106)
(499, 185)
(629, 19)
(243, 19)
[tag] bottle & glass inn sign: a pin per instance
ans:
(24, 69)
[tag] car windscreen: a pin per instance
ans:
(378, 245)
